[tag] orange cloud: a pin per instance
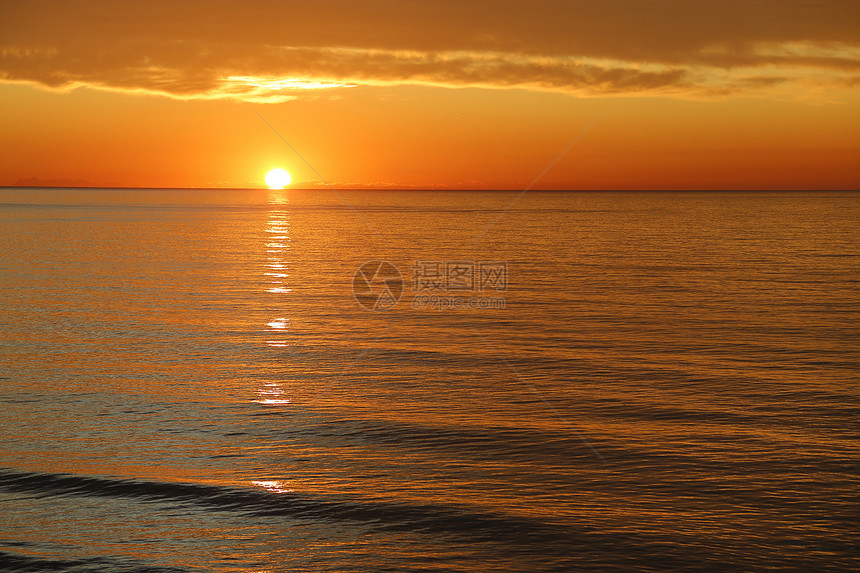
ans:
(275, 51)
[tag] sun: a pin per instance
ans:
(277, 179)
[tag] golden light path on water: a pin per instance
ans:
(275, 283)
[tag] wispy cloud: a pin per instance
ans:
(271, 52)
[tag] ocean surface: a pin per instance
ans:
(191, 380)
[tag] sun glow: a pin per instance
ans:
(277, 179)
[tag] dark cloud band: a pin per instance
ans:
(272, 51)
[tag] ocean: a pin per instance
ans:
(296, 380)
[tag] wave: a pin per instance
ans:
(13, 562)
(420, 518)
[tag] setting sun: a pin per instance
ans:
(277, 179)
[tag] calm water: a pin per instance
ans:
(670, 382)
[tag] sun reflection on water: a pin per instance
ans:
(273, 486)
(272, 394)
(277, 245)
(279, 324)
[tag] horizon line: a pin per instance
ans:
(423, 189)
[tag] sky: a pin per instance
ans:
(475, 94)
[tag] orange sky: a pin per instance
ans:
(458, 94)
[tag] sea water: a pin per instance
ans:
(295, 380)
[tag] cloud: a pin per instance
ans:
(267, 51)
